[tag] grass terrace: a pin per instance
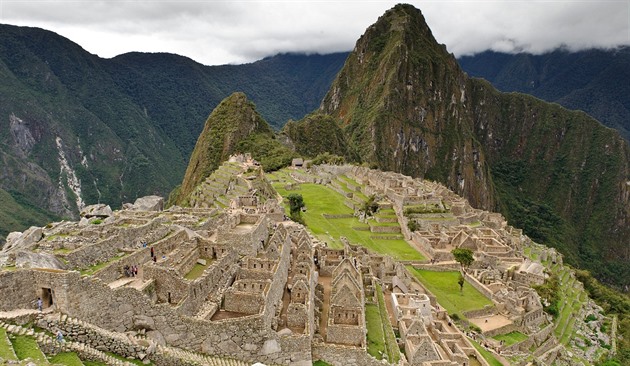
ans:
(197, 270)
(511, 338)
(26, 347)
(381, 341)
(320, 200)
(6, 350)
(444, 286)
(375, 337)
(486, 354)
(66, 358)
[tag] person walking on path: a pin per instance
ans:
(39, 304)
(59, 336)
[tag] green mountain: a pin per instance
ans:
(594, 81)
(78, 129)
(69, 135)
(234, 126)
(405, 105)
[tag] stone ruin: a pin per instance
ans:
(229, 281)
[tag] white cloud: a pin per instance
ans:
(218, 32)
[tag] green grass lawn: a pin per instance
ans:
(197, 270)
(511, 338)
(320, 363)
(6, 348)
(375, 337)
(444, 286)
(486, 354)
(321, 200)
(393, 352)
(66, 358)
(26, 347)
(94, 363)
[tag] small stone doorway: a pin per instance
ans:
(47, 297)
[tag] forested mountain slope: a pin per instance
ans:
(78, 129)
(594, 81)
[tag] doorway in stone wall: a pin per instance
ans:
(47, 297)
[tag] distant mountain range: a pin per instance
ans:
(78, 129)
(594, 81)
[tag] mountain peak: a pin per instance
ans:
(405, 105)
(233, 120)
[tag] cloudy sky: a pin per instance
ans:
(226, 31)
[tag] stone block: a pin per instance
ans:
(270, 346)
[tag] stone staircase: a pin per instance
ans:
(160, 355)
(49, 345)
(169, 355)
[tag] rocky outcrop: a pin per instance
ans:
(148, 203)
(99, 210)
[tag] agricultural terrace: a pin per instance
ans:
(445, 288)
(321, 200)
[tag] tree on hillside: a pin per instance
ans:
(370, 206)
(463, 256)
(460, 282)
(296, 203)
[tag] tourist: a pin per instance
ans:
(152, 253)
(154, 259)
(39, 303)
(59, 336)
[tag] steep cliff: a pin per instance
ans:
(401, 99)
(405, 105)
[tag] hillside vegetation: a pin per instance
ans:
(405, 105)
(594, 81)
(125, 126)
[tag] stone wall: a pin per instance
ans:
(345, 334)
(106, 249)
(243, 302)
(337, 355)
(18, 290)
(278, 282)
(476, 284)
(169, 285)
(297, 315)
(115, 270)
(384, 229)
(95, 337)
(217, 276)
(296, 349)
(480, 313)
(245, 242)
(84, 298)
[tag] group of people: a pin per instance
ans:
(131, 271)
